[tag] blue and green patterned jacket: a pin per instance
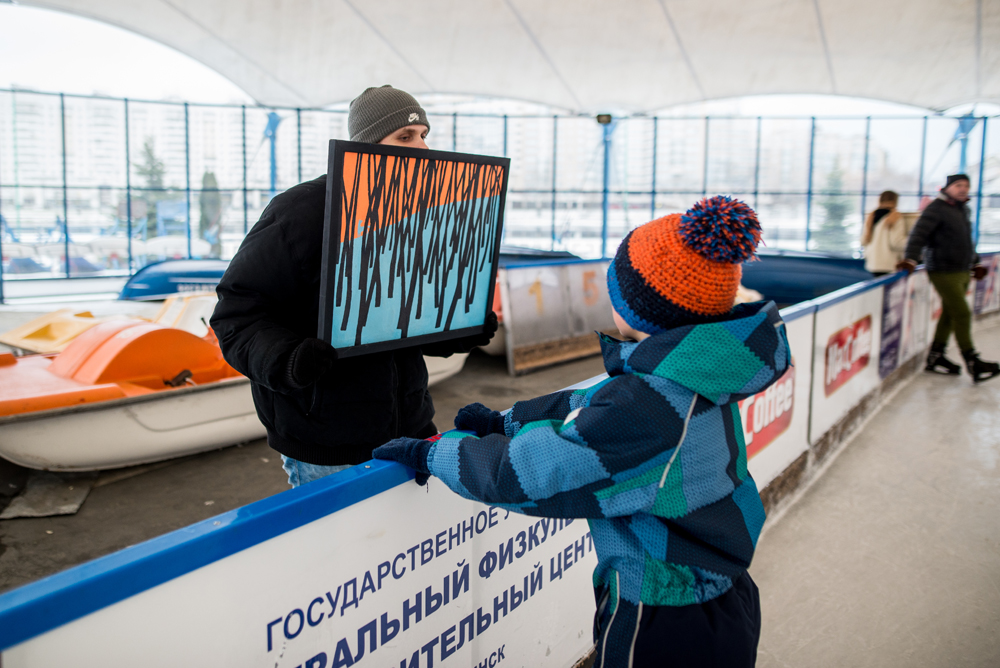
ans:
(653, 457)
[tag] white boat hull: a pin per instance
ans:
(441, 368)
(133, 431)
(140, 430)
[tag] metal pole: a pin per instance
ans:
(964, 143)
(187, 174)
(979, 189)
(923, 155)
(864, 176)
(555, 136)
(17, 169)
(128, 192)
(272, 118)
(756, 167)
(245, 221)
(605, 191)
(65, 189)
(809, 187)
(756, 180)
(704, 176)
(298, 138)
(507, 201)
(652, 195)
(454, 131)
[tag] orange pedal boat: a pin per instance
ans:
(123, 392)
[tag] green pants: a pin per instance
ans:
(952, 285)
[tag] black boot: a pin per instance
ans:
(978, 369)
(938, 363)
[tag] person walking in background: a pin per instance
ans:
(884, 236)
(943, 236)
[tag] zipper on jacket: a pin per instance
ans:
(315, 396)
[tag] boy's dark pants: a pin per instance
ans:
(722, 633)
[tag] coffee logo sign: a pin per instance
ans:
(847, 352)
(768, 414)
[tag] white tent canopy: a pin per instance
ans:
(586, 56)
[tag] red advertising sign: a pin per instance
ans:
(847, 352)
(766, 415)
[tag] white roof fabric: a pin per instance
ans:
(586, 56)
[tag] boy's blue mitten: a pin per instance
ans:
(480, 420)
(409, 451)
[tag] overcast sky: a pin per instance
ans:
(52, 51)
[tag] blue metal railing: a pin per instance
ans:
(678, 135)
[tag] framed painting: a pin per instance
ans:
(410, 245)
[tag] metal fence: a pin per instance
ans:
(97, 186)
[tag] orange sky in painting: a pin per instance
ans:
(451, 170)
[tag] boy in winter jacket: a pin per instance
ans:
(653, 456)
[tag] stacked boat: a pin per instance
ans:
(122, 391)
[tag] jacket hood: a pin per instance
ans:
(722, 361)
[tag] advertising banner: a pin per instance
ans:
(917, 316)
(893, 312)
(776, 421)
(846, 356)
(987, 291)
(552, 311)
(413, 576)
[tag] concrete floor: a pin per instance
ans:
(128, 506)
(893, 557)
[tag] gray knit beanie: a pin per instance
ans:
(378, 112)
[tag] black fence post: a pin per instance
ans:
(65, 188)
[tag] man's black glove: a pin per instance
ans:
(480, 420)
(466, 343)
(490, 327)
(979, 272)
(311, 359)
(409, 451)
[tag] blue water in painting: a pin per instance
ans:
(383, 319)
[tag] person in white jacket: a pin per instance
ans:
(884, 235)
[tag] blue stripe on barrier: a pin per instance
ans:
(790, 313)
(826, 301)
(553, 263)
(59, 599)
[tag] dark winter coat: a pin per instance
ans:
(269, 303)
(944, 235)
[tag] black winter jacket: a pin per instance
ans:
(944, 235)
(269, 303)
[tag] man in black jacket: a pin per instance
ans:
(322, 414)
(943, 234)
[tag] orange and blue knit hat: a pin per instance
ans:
(683, 269)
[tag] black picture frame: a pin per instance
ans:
(331, 268)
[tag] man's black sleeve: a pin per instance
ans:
(254, 295)
(921, 232)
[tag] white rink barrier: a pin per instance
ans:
(364, 568)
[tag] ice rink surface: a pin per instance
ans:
(892, 558)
